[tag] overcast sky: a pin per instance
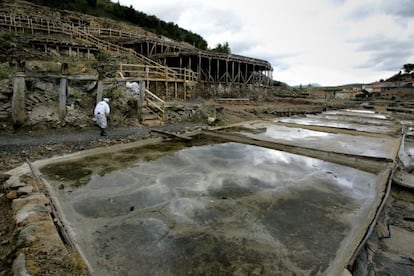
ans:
(329, 42)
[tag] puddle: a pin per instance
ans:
(214, 209)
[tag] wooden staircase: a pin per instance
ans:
(22, 22)
(153, 110)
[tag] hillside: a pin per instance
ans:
(115, 11)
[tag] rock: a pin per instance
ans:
(6, 106)
(3, 242)
(8, 91)
(4, 177)
(16, 185)
(35, 198)
(33, 99)
(32, 213)
(27, 236)
(44, 86)
(54, 53)
(19, 266)
(4, 82)
(25, 190)
(4, 115)
(12, 195)
(211, 121)
(382, 230)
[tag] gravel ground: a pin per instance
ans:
(15, 148)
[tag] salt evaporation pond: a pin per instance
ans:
(218, 209)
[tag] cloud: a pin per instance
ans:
(337, 2)
(395, 8)
(401, 8)
(323, 41)
(384, 53)
(195, 16)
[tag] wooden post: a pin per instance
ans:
(199, 64)
(218, 71)
(239, 74)
(18, 99)
(245, 76)
(227, 71)
(141, 100)
(209, 70)
(62, 98)
(232, 71)
(99, 91)
(185, 85)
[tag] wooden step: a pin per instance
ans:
(150, 117)
(152, 123)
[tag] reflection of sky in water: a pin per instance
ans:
(288, 133)
(333, 123)
(193, 171)
(361, 111)
(409, 148)
(354, 119)
(334, 142)
(213, 188)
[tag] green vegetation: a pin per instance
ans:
(222, 48)
(7, 72)
(408, 70)
(105, 8)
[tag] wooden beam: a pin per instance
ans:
(172, 135)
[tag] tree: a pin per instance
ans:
(222, 48)
(408, 68)
(92, 3)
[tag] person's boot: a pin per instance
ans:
(103, 132)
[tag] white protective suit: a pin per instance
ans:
(134, 87)
(101, 111)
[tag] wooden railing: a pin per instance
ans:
(23, 22)
(115, 33)
(155, 73)
(154, 102)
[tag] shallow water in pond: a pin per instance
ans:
(383, 147)
(214, 209)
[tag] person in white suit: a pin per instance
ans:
(101, 111)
